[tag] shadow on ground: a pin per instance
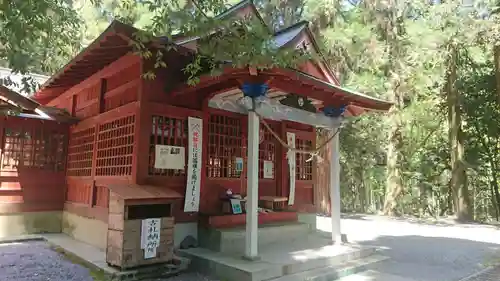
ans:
(443, 222)
(433, 258)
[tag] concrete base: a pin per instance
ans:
(91, 231)
(182, 230)
(30, 223)
(311, 258)
(232, 240)
(310, 219)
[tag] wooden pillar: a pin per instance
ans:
(335, 188)
(252, 216)
(142, 129)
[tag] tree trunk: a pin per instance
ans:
(459, 189)
(496, 55)
(322, 187)
(392, 29)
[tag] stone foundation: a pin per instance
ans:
(182, 230)
(90, 231)
(310, 219)
(30, 223)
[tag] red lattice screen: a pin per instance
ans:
(225, 142)
(303, 168)
(33, 147)
(267, 150)
(115, 147)
(166, 131)
(80, 150)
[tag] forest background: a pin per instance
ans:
(436, 153)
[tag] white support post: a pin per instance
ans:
(251, 239)
(335, 188)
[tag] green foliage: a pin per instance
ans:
(408, 64)
(37, 35)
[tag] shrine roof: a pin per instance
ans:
(285, 36)
(143, 192)
(112, 44)
(232, 11)
(115, 41)
(377, 104)
(12, 100)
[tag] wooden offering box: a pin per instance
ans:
(140, 219)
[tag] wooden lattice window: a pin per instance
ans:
(267, 150)
(166, 131)
(225, 144)
(33, 147)
(80, 152)
(115, 147)
(303, 167)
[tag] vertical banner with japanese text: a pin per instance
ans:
(195, 138)
(290, 155)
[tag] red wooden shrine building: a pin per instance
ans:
(111, 150)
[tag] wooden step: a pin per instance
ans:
(232, 240)
(333, 272)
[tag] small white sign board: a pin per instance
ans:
(150, 236)
(169, 157)
(268, 169)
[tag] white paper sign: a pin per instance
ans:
(290, 137)
(150, 237)
(169, 157)
(195, 137)
(268, 169)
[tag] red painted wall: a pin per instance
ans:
(116, 93)
(26, 188)
(101, 146)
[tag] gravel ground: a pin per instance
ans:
(424, 251)
(35, 261)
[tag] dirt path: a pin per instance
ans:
(423, 251)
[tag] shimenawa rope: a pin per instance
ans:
(313, 152)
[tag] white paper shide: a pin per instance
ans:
(169, 157)
(150, 237)
(195, 137)
(290, 137)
